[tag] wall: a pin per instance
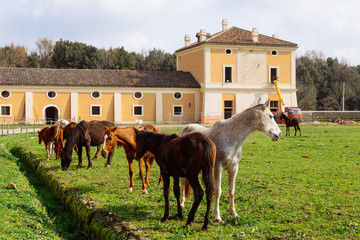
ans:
(192, 62)
(331, 116)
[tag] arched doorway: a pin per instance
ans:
(51, 115)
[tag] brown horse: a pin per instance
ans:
(53, 134)
(125, 136)
(68, 129)
(289, 123)
(182, 157)
(84, 134)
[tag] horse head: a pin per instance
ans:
(266, 122)
(140, 141)
(40, 137)
(66, 158)
(109, 141)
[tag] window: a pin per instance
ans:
(274, 106)
(5, 94)
(51, 94)
(274, 74)
(138, 110)
(228, 74)
(274, 53)
(228, 109)
(95, 95)
(95, 110)
(5, 110)
(177, 110)
(138, 95)
(177, 95)
(228, 51)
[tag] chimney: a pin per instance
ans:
(275, 36)
(224, 24)
(255, 35)
(201, 35)
(187, 39)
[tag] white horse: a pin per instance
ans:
(229, 135)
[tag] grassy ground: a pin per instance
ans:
(297, 188)
(29, 211)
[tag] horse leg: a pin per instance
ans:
(299, 129)
(131, 175)
(97, 152)
(217, 177)
(185, 191)
(166, 179)
(110, 155)
(79, 156)
(47, 151)
(287, 130)
(88, 154)
(141, 173)
(198, 195)
(177, 195)
(295, 129)
(232, 175)
(210, 187)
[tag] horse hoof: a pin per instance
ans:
(107, 165)
(145, 191)
(129, 190)
(218, 220)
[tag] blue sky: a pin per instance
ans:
(329, 26)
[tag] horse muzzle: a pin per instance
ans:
(104, 154)
(276, 136)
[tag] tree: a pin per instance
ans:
(45, 49)
(76, 55)
(14, 56)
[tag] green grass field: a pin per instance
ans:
(297, 188)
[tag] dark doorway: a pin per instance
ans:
(51, 115)
(228, 109)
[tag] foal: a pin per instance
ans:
(289, 123)
(181, 157)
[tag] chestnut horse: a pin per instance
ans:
(53, 134)
(289, 123)
(84, 134)
(229, 135)
(182, 157)
(125, 136)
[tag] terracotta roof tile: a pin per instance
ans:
(96, 78)
(238, 36)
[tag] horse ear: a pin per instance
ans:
(259, 101)
(267, 103)
(136, 131)
(113, 129)
(146, 129)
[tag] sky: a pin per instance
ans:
(329, 26)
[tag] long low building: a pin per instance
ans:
(218, 76)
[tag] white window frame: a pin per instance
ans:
(181, 95)
(133, 111)
(277, 73)
(182, 110)
(6, 105)
(47, 94)
(91, 94)
(91, 112)
(5, 97)
(142, 95)
(232, 73)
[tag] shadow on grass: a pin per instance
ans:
(64, 225)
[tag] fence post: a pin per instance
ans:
(13, 128)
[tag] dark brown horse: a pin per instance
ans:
(69, 128)
(289, 123)
(53, 134)
(182, 157)
(125, 136)
(84, 134)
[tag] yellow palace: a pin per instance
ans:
(217, 76)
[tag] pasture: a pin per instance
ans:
(304, 187)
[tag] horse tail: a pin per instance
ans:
(208, 167)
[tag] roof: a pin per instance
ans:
(96, 78)
(238, 36)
